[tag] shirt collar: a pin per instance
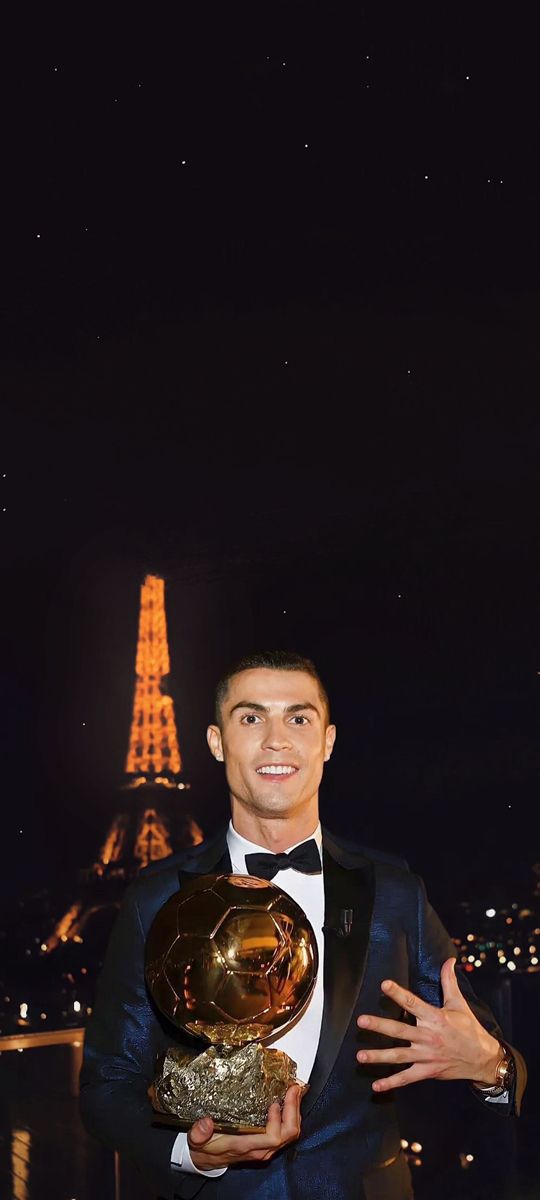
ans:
(239, 847)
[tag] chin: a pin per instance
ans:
(276, 806)
(272, 806)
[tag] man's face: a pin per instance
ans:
(274, 740)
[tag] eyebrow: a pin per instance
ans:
(291, 708)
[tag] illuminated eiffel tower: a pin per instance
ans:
(151, 822)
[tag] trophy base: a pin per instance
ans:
(233, 1087)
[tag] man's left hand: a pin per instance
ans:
(446, 1043)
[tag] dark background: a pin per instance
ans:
(246, 343)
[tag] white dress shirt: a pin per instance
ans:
(301, 1039)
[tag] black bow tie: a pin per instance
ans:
(305, 858)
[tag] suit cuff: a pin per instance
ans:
(485, 1094)
(181, 1159)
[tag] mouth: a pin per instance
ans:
(277, 771)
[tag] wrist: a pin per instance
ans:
(487, 1072)
(504, 1074)
(201, 1163)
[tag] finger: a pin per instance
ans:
(403, 1078)
(200, 1132)
(407, 1000)
(290, 1117)
(398, 1055)
(280, 1126)
(273, 1122)
(247, 1143)
(453, 997)
(244, 1143)
(393, 1029)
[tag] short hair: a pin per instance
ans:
(273, 660)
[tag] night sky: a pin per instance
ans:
(270, 318)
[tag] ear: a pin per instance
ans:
(213, 737)
(329, 739)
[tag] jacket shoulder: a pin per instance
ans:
(160, 879)
(384, 856)
(187, 859)
(356, 850)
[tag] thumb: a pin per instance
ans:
(452, 995)
(201, 1132)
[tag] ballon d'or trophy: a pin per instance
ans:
(230, 959)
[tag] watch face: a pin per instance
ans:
(506, 1071)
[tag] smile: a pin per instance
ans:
(276, 771)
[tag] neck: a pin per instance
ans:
(276, 833)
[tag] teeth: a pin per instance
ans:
(276, 770)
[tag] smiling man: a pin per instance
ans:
(274, 734)
(388, 1008)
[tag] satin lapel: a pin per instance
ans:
(215, 860)
(344, 961)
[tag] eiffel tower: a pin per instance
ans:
(151, 821)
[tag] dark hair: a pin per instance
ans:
(273, 660)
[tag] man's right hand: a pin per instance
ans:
(210, 1150)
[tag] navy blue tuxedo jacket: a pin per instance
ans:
(347, 1129)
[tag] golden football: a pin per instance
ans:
(231, 958)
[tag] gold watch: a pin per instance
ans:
(504, 1073)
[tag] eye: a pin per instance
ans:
(249, 719)
(300, 719)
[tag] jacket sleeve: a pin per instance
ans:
(122, 1039)
(432, 946)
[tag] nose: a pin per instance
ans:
(277, 736)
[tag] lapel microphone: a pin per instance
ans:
(345, 924)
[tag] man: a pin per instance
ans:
(388, 1008)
